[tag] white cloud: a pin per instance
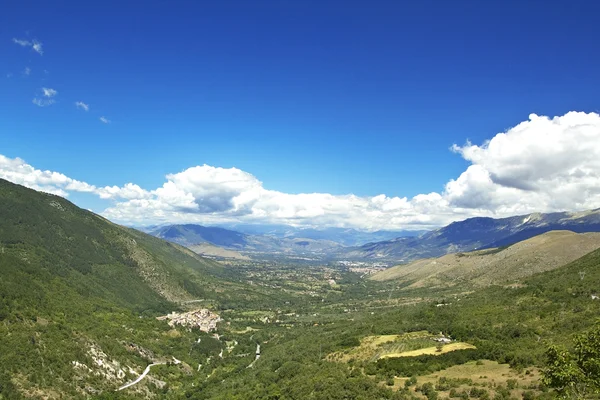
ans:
(18, 171)
(27, 71)
(104, 120)
(43, 102)
(129, 191)
(22, 42)
(82, 105)
(36, 45)
(46, 99)
(47, 92)
(543, 164)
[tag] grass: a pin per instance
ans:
(481, 373)
(431, 350)
(374, 347)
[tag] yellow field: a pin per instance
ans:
(374, 341)
(374, 347)
(431, 350)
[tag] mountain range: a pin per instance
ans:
(474, 233)
(231, 235)
(190, 235)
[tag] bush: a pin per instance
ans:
(429, 391)
(528, 395)
(411, 381)
(512, 384)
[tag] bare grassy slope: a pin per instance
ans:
(496, 266)
(210, 250)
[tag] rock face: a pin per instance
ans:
(203, 319)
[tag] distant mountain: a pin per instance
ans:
(192, 236)
(343, 236)
(475, 233)
(503, 265)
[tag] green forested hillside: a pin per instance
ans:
(72, 281)
(79, 296)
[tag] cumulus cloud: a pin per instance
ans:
(104, 120)
(542, 164)
(36, 45)
(129, 191)
(18, 171)
(82, 105)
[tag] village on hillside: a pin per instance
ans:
(203, 319)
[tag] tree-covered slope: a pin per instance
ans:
(78, 297)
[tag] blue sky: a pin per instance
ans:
(336, 97)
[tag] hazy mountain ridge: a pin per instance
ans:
(235, 235)
(476, 233)
(343, 236)
(191, 235)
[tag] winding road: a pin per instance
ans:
(139, 378)
(143, 375)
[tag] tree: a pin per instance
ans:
(575, 374)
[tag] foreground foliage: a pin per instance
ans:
(576, 373)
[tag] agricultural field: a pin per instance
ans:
(477, 377)
(436, 350)
(372, 348)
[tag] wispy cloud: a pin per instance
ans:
(82, 105)
(27, 71)
(22, 42)
(49, 92)
(104, 120)
(43, 102)
(47, 98)
(36, 45)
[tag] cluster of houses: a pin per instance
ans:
(443, 339)
(203, 319)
